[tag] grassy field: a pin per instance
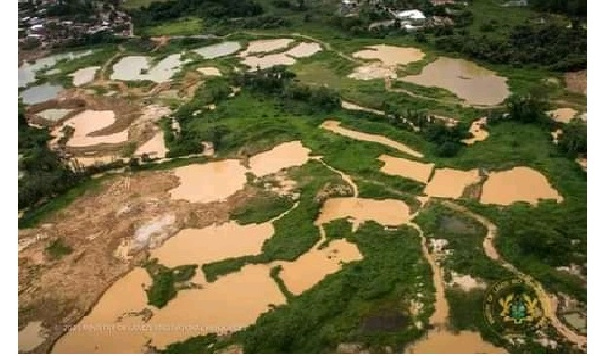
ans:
(183, 26)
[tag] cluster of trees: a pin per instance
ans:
(44, 174)
(279, 81)
(568, 7)
(573, 140)
(555, 47)
(161, 11)
(447, 139)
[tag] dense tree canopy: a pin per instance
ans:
(555, 47)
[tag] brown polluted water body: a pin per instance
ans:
(518, 184)
(450, 183)
(564, 115)
(359, 210)
(213, 243)
(406, 168)
(203, 183)
(391, 55)
(115, 325)
(310, 268)
(287, 154)
(335, 126)
(470, 82)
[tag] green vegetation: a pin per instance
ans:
(262, 208)
(44, 175)
(57, 249)
(200, 344)
(183, 26)
(166, 281)
(366, 302)
(295, 233)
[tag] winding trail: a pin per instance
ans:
(549, 301)
(346, 178)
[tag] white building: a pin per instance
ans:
(413, 16)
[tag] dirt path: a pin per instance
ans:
(346, 178)
(549, 301)
(440, 315)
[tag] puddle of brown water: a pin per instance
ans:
(564, 115)
(203, 183)
(217, 307)
(335, 126)
(470, 82)
(450, 183)
(232, 302)
(303, 50)
(479, 134)
(287, 154)
(88, 122)
(262, 46)
(268, 61)
(359, 210)
(391, 55)
(209, 71)
(31, 336)
(446, 342)
(310, 268)
(406, 168)
(517, 184)
(351, 106)
(213, 243)
(97, 332)
(155, 147)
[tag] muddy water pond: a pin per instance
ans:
(564, 115)
(335, 126)
(213, 243)
(88, 122)
(155, 147)
(391, 55)
(27, 71)
(359, 210)
(303, 50)
(218, 50)
(40, 93)
(406, 168)
(84, 75)
(474, 84)
(518, 184)
(216, 307)
(209, 71)
(450, 183)
(215, 181)
(310, 268)
(285, 155)
(446, 342)
(267, 61)
(131, 68)
(264, 46)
